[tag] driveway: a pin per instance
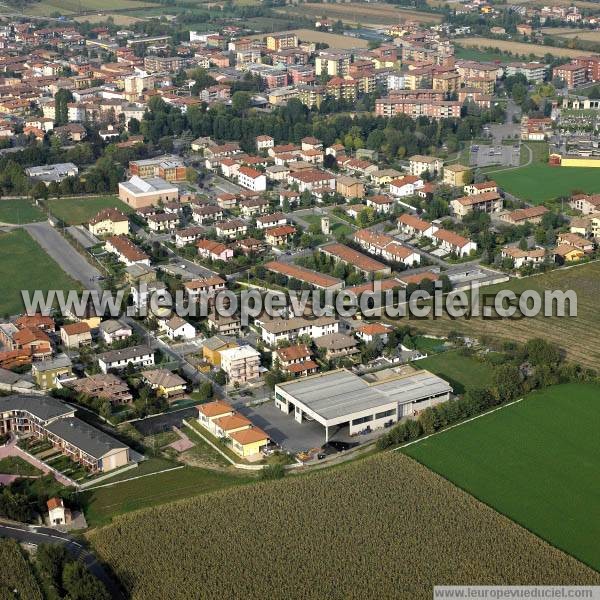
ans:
(58, 248)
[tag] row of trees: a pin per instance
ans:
(534, 365)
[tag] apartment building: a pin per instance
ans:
(241, 364)
(138, 356)
(168, 167)
(489, 202)
(335, 63)
(252, 179)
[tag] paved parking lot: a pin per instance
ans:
(486, 156)
(293, 436)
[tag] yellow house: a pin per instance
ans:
(385, 176)
(212, 347)
(109, 221)
(568, 253)
(165, 383)
(248, 442)
(457, 175)
(46, 373)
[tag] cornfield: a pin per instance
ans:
(16, 573)
(384, 527)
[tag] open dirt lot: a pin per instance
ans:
(333, 39)
(516, 47)
(377, 14)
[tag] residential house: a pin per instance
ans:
(406, 186)
(109, 221)
(452, 242)
(415, 227)
(212, 411)
(106, 387)
(49, 374)
(178, 328)
(419, 164)
(337, 345)
(566, 253)
(127, 252)
(381, 203)
(202, 214)
(372, 332)
(138, 356)
(189, 235)
(350, 187)
(275, 331)
(165, 383)
(532, 215)
(279, 236)
(297, 360)
(488, 202)
(212, 346)
(576, 241)
(209, 249)
(457, 175)
(248, 442)
(252, 179)
(224, 325)
(523, 257)
(114, 330)
(75, 335)
(484, 187)
(163, 222)
(231, 229)
(585, 203)
(272, 220)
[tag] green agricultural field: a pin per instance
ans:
(19, 211)
(535, 462)
(65, 7)
(17, 578)
(578, 336)
(75, 211)
(460, 371)
(382, 527)
(539, 183)
(25, 266)
(105, 503)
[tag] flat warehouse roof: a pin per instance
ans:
(335, 394)
(340, 393)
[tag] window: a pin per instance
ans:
(362, 420)
(386, 413)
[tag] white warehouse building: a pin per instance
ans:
(339, 398)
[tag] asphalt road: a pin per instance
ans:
(58, 248)
(43, 535)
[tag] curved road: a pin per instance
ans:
(43, 535)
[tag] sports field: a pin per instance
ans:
(75, 211)
(535, 462)
(19, 211)
(25, 265)
(538, 183)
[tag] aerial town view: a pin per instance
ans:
(299, 300)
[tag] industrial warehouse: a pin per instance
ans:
(340, 398)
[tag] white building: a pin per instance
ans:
(340, 399)
(252, 179)
(138, 356)
(178, 328)
(406, 186)
(241, 364)
(287, 330)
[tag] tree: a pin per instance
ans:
(80, 584)
(61, 110)
(240, 102)
(523, 244)
(541, 352)
(507, 382)
(39, 190)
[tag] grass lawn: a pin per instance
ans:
(479, 54)
(25, 266)
(75, 211)
(460, 371)
(19, 211)
(339, 229)
(15, 465)
(105, 503)
(539, 182)
(536, 462)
